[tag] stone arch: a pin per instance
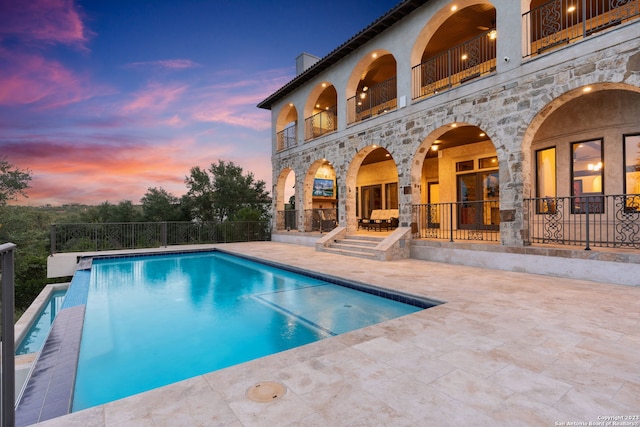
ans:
(320, 111)
(351, 181)
(312, 203)
(286, 127)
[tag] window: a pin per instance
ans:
(587, 177)
(632, 172)
(488, 162)
(546, 180)
(391, 195)
(467, 165)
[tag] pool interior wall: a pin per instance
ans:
(49, 391)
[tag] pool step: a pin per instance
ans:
(357, 246)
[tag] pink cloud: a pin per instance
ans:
(43, 21)
(155, 97)
(175, 64)
(32, 79)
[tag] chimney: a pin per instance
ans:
(304, 61)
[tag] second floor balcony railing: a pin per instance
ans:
(558, 22)
(455, 66)
(373, 101)
(457, 221)
(610, 221)
(286, 138)
(320, 123)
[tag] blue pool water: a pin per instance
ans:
(34, 339)
(152, 321)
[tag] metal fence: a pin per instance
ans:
(557, 22)
(455, 66)
(611, 221)
(321, 123)
(7, 352)
(373, 101)
(136, 235)
(287, 219)
(457, 221)
(321, 220)
(286, 138)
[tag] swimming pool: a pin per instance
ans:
(37, 333)
(151, 321)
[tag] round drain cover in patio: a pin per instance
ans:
(267, 391)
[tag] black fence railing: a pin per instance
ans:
(286, 138)
(138, 235)
(287, 219)
(558, 22)
(7, 344)
(321, 123)
(461, 63)
(321, 220)
(610, 221)
(373, 101)
(457, 221)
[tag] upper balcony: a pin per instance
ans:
(552, 24)
(376, 91)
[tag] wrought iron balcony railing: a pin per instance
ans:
(321, 220)
(287, 219)
(320, 123)
(457, 221)
(373, 101)
(137, 235)
(611, 221)
(461, 63)
(286, 138)
(558, 22)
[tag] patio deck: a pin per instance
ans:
(507, 348)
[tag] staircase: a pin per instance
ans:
(357, 246)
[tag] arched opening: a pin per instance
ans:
(585, 171)
(372, 88)
(376, 191)
(321, 112)
(462, 48)
(286, 213)
(460, 185)
(321, 197)
(287, 128)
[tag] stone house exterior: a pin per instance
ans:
(506, 134)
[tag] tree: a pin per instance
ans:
(223, 192)
(13, 181)
(160, 205)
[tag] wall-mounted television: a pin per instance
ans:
(323, 187)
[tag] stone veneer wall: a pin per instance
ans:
(508, 106)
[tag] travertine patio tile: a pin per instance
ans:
(92, 417)
(481, 364)
(474, 341)
(521, 411)
(472, 390)
(571, 373)
(586, 404)
(366, 372)
(516, 354)
(340, 404)
(383, 417)
(420, 366)
(307, 376)
(629, 395)
(532, 385)
(286, 409)
(382, 348)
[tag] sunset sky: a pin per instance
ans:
(102, 99)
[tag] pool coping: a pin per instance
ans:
(41, 400)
